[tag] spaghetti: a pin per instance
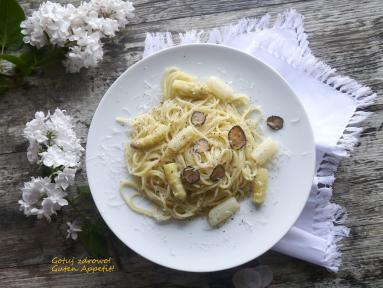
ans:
(181, 156)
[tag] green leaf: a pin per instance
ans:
(50, 172)
(83, 190)
(43, 58)
(20, 63)
(5, 84)
(32, 59)
(93, 237)
(11, 15)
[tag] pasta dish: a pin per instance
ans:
(197, 153)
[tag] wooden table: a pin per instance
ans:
(346, 34)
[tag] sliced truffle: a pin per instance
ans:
(217, 173)
(198, 118)
(275, 122)
(190, 175)
(237, 137)
(201, 145)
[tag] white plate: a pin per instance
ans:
(193, 245)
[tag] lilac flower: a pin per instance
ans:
(72, 230)
(81, 29)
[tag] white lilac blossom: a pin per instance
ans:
(53, 144)
(41, 197)
(72, 230)
(65, 178)
(32, 193)
(259, 277)
(56, 156)
(52, 140)
(80, 29)
(47, 209)
(56, 196)
(36, 129)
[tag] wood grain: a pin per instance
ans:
(348, 35)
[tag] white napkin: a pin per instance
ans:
(331, 102)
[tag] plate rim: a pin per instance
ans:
(253, 58)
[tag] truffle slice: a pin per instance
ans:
(217, 173)
(275, 122)
(237, 137)
(190, 175)
(198, 118)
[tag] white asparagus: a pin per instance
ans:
(152, 139)
(187, 89)
(170, 76)
(173, 177)
(185, 136)
(220, 213)
(260, 185)
(264, 151)
(220, 89)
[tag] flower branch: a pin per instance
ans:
(56, 150)
(56, 34)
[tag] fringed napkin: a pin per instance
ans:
(332, 103)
